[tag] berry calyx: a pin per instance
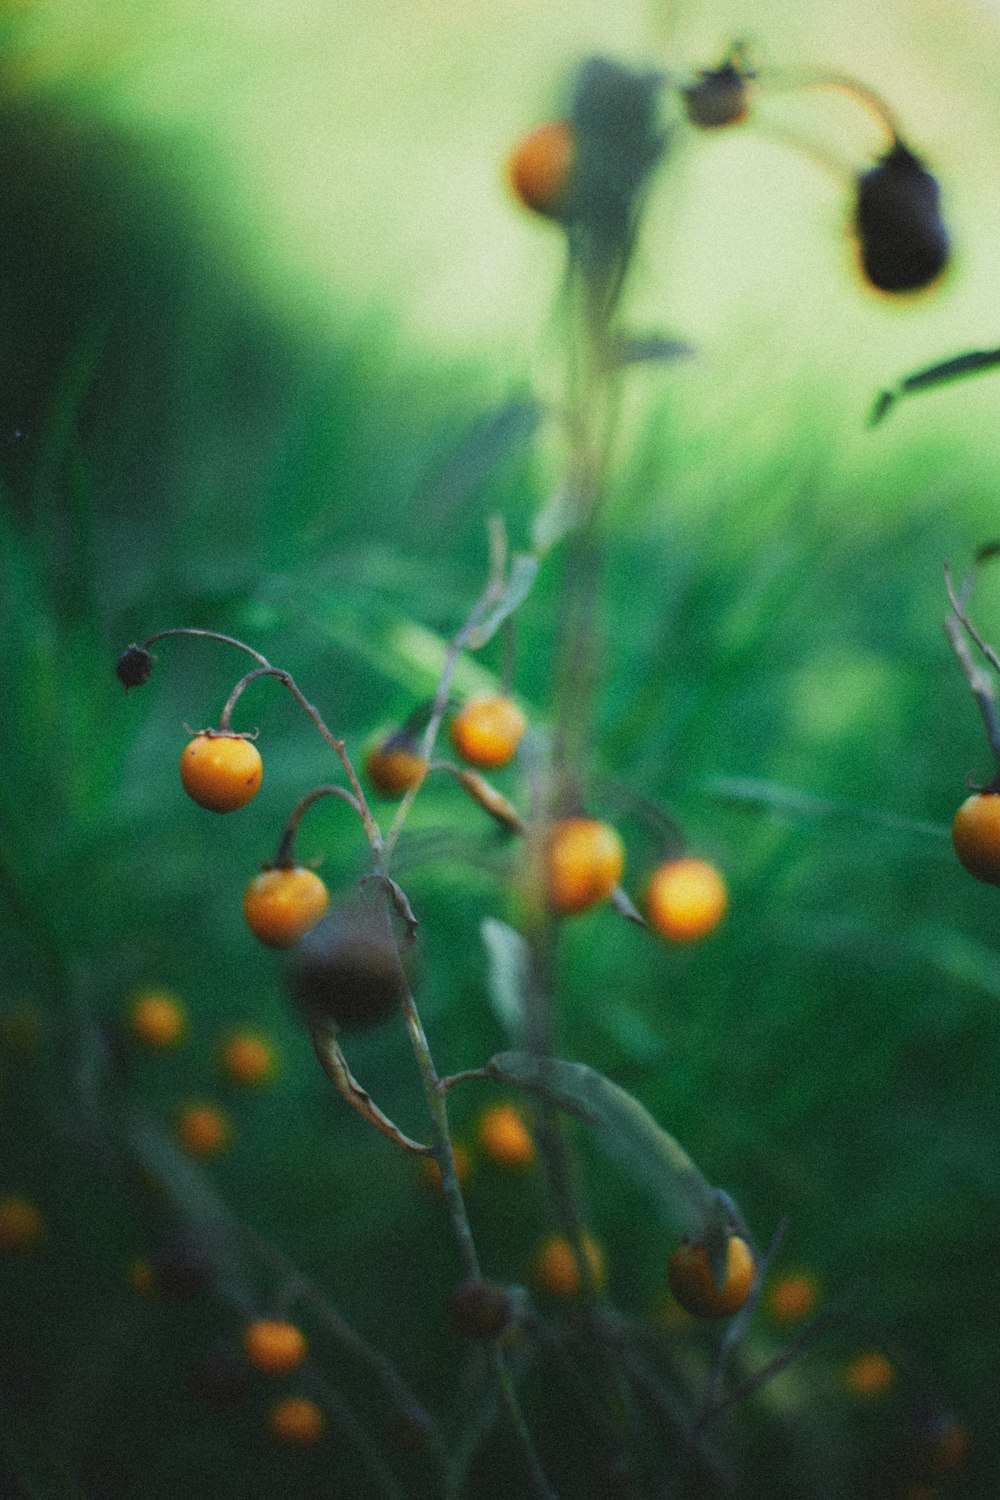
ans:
(686, 899)
(487, 732)
(690, 1278)
(281, 904)
(221, 772)
(393, 765)
(975, 834)
(540, 167)
(274, 1346)
(584, 860)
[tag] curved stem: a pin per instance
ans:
(284, 859)
(792, 78)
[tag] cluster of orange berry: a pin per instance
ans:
(584, 857)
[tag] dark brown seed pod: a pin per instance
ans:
(347, 971)
(134, 667)
(479, 1310)
(901, 235)
(719, 98)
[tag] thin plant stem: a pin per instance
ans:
(793, 78)
(284, 858)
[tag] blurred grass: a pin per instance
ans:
(771, 614)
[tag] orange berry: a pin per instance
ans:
(690, 1278)
(975, 834)
(393, 766)
(870, 1374)
(221, 771)
(297, 1420)
(686, 899)
(202, 1129)
(584, 860)
(556, 1269)
(505, 1138)
(935, 1447)
(157, 1018)
(487, 732)
(246, 1058)
(793, 1297)
(280, 905)
(274, 1347)
(21, 1224)
(540, 166)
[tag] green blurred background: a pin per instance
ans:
(263, 295)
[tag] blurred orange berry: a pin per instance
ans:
(505, 1137)
(556, 1269)
(21, 1224)
(870, 1374)
(202, 1129)
(793, 1296)
(540, 166)
(584, 860)
(273, 1346)
(393, 765)
(157, 1017)
(141, 1277)
(297, 1420)
(686, 899)
(280, 905)
(690, 1278)
(975, 834)
(247, 1058)
(487, 731)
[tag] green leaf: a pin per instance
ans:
(653, 1158)
(958, 368)
(645, 348)
(520, 582)
(482, 449)
(508, 975)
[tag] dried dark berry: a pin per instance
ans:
(134, 667)
(479, 1310)
(347, 971)
(720, 97)
(903, 240)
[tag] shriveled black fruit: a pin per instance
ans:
(133, 667)
(719, 98)
(903, 240)
(347, 971)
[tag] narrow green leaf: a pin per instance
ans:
(508, 975)
(520, 582)
(482, 449)
(958, 368)
(653, 1158)
(645, 348)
